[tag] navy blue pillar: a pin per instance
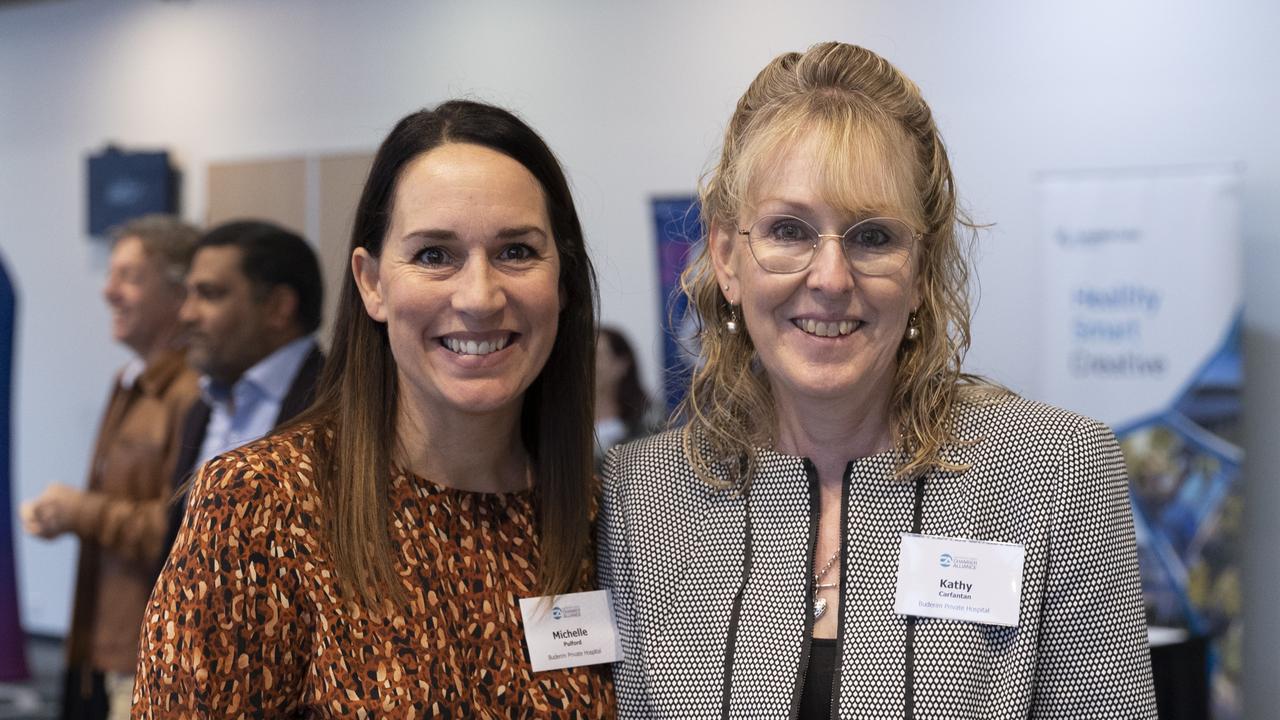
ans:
(13, 662)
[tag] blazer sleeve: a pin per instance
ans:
(225, 631)
(135, 528)
(1093, 657)
(132, 529)
(613, 568)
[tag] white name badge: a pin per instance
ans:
(959, 579)
(570, 630)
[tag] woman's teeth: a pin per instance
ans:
(826, 329)
(471, 347)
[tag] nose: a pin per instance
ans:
(479, 291)
(829, 271)
(187, 311)
(111, 290)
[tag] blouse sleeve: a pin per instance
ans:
(1093, 655)
(613, 570)
(226, 632)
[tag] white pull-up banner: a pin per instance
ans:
(1141, 278)
(1142, 284)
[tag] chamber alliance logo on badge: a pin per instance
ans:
(568, 611)
(959, 562)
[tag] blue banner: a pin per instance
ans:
(13, 664)
(676, 221)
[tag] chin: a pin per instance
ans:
(485, 402)
(825, 386)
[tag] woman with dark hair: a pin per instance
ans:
(621, 406)
(366, 561)
(849, 525)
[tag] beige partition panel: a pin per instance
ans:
(274, 190)
(315, 196)
(341, 179)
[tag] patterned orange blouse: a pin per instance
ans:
(246, 620)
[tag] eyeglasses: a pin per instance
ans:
(787, 244)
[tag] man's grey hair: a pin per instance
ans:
(166, 239)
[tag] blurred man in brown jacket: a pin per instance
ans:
(122, 514)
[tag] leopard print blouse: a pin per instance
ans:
(246, 620)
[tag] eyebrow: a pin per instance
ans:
(449, 235)
(206, 286)
(796, 207)
(789, 205)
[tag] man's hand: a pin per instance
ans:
(49, 515)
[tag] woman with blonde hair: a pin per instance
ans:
(848, 525)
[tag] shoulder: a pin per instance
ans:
(663, 449)
(182, 395)
(1040, 448)
(172, 381)
(307, 372)
(655, 460)
(251, 506)
(279, 467)
(1014, 421)
(653, 472)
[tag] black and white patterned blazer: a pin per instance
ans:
(712, 595)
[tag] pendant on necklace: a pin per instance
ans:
(819, 607)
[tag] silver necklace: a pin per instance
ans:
(820, 604)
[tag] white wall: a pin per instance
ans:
(633, 96)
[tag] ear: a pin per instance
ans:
(281, 307)
(177, 295)
(722, 247)
(916, 298)
(365, 270)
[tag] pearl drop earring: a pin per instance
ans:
(913, 327)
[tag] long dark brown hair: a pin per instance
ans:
(356, 400)
(633, 404)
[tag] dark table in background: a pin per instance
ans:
(1179, 663)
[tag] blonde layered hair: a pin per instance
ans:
(882, 151)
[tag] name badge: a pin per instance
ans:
(959, 579)
(570, 630)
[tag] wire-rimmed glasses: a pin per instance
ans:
(787, 244)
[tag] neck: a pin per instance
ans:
(472, 452)
(606, 406)
(268, 347)
(162, 343)
(272, 345)
(831, 433)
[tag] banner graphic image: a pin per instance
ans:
(1142, 302)
(678, 230)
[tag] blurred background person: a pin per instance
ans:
(365, 561)
(120, 516)
(254, 299)
(622, 407)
